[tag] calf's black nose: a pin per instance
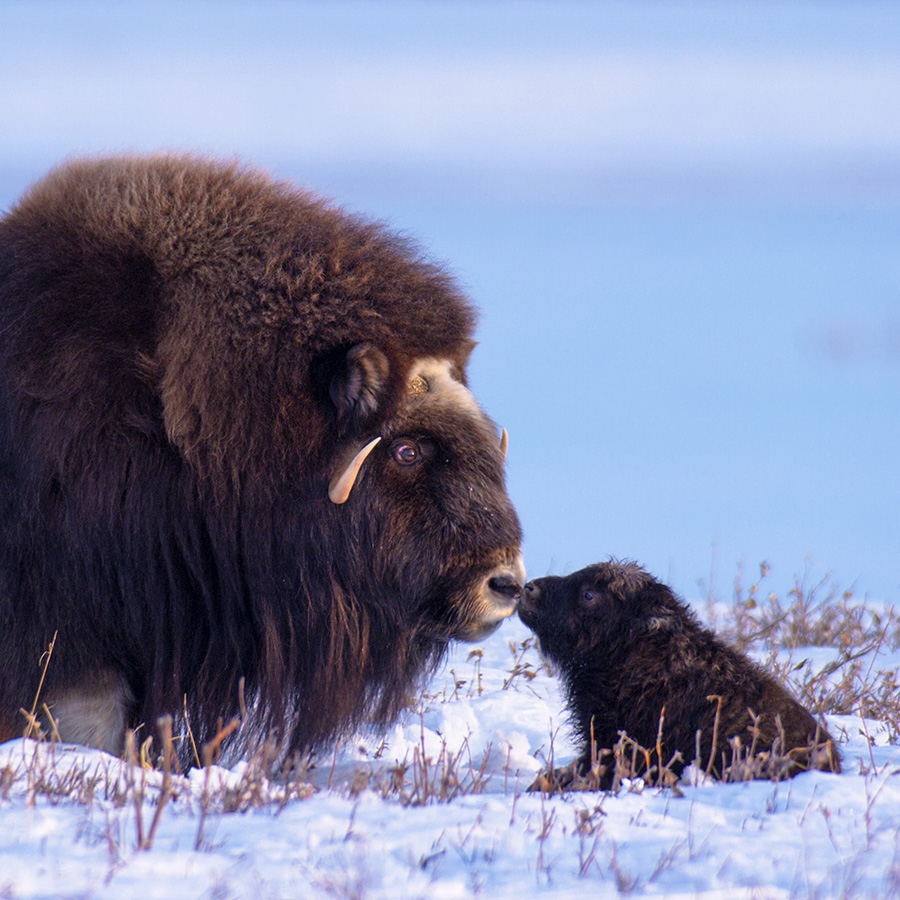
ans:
(531, 597)
(529, 604)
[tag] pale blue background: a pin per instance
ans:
(681, 222)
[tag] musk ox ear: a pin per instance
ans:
(465, 352)
(353, 380)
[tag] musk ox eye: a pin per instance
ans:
(406, 453)
(588, 596)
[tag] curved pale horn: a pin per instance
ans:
(504, 443)
(342, 484)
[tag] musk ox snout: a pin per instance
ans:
(504, 584)
(497, 598)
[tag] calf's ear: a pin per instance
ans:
(353, 379)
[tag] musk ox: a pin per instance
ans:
(240, 469)
(635, 659)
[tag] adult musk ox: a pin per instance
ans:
(239, 464)
(635, 659)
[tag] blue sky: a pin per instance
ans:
(680, 222)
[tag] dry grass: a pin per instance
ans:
(821, 615)
(861, 679)
(147, 782)
(149, 779)
(424, 779)
(632, 767)
(773, 628)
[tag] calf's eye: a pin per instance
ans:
(587, 595)
(406, 453)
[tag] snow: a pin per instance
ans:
(818, 835)
(714, 185)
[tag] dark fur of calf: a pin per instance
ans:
(635, 660)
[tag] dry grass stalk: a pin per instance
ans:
(33, 727)
(523, 668)
(718, 698)
(426, 779)
(165, 793)
(210, 754)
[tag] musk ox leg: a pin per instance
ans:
(93, 713)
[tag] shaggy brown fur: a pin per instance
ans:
(630, 651)
(189, 352)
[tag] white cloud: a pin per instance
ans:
(545, 111)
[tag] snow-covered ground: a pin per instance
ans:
(680, 221)
(70, 826)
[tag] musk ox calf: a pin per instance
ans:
(240, 469)
(635, 659)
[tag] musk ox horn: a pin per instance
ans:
(342, 484)
(504, 443)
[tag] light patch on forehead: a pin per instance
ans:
(432, 375)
